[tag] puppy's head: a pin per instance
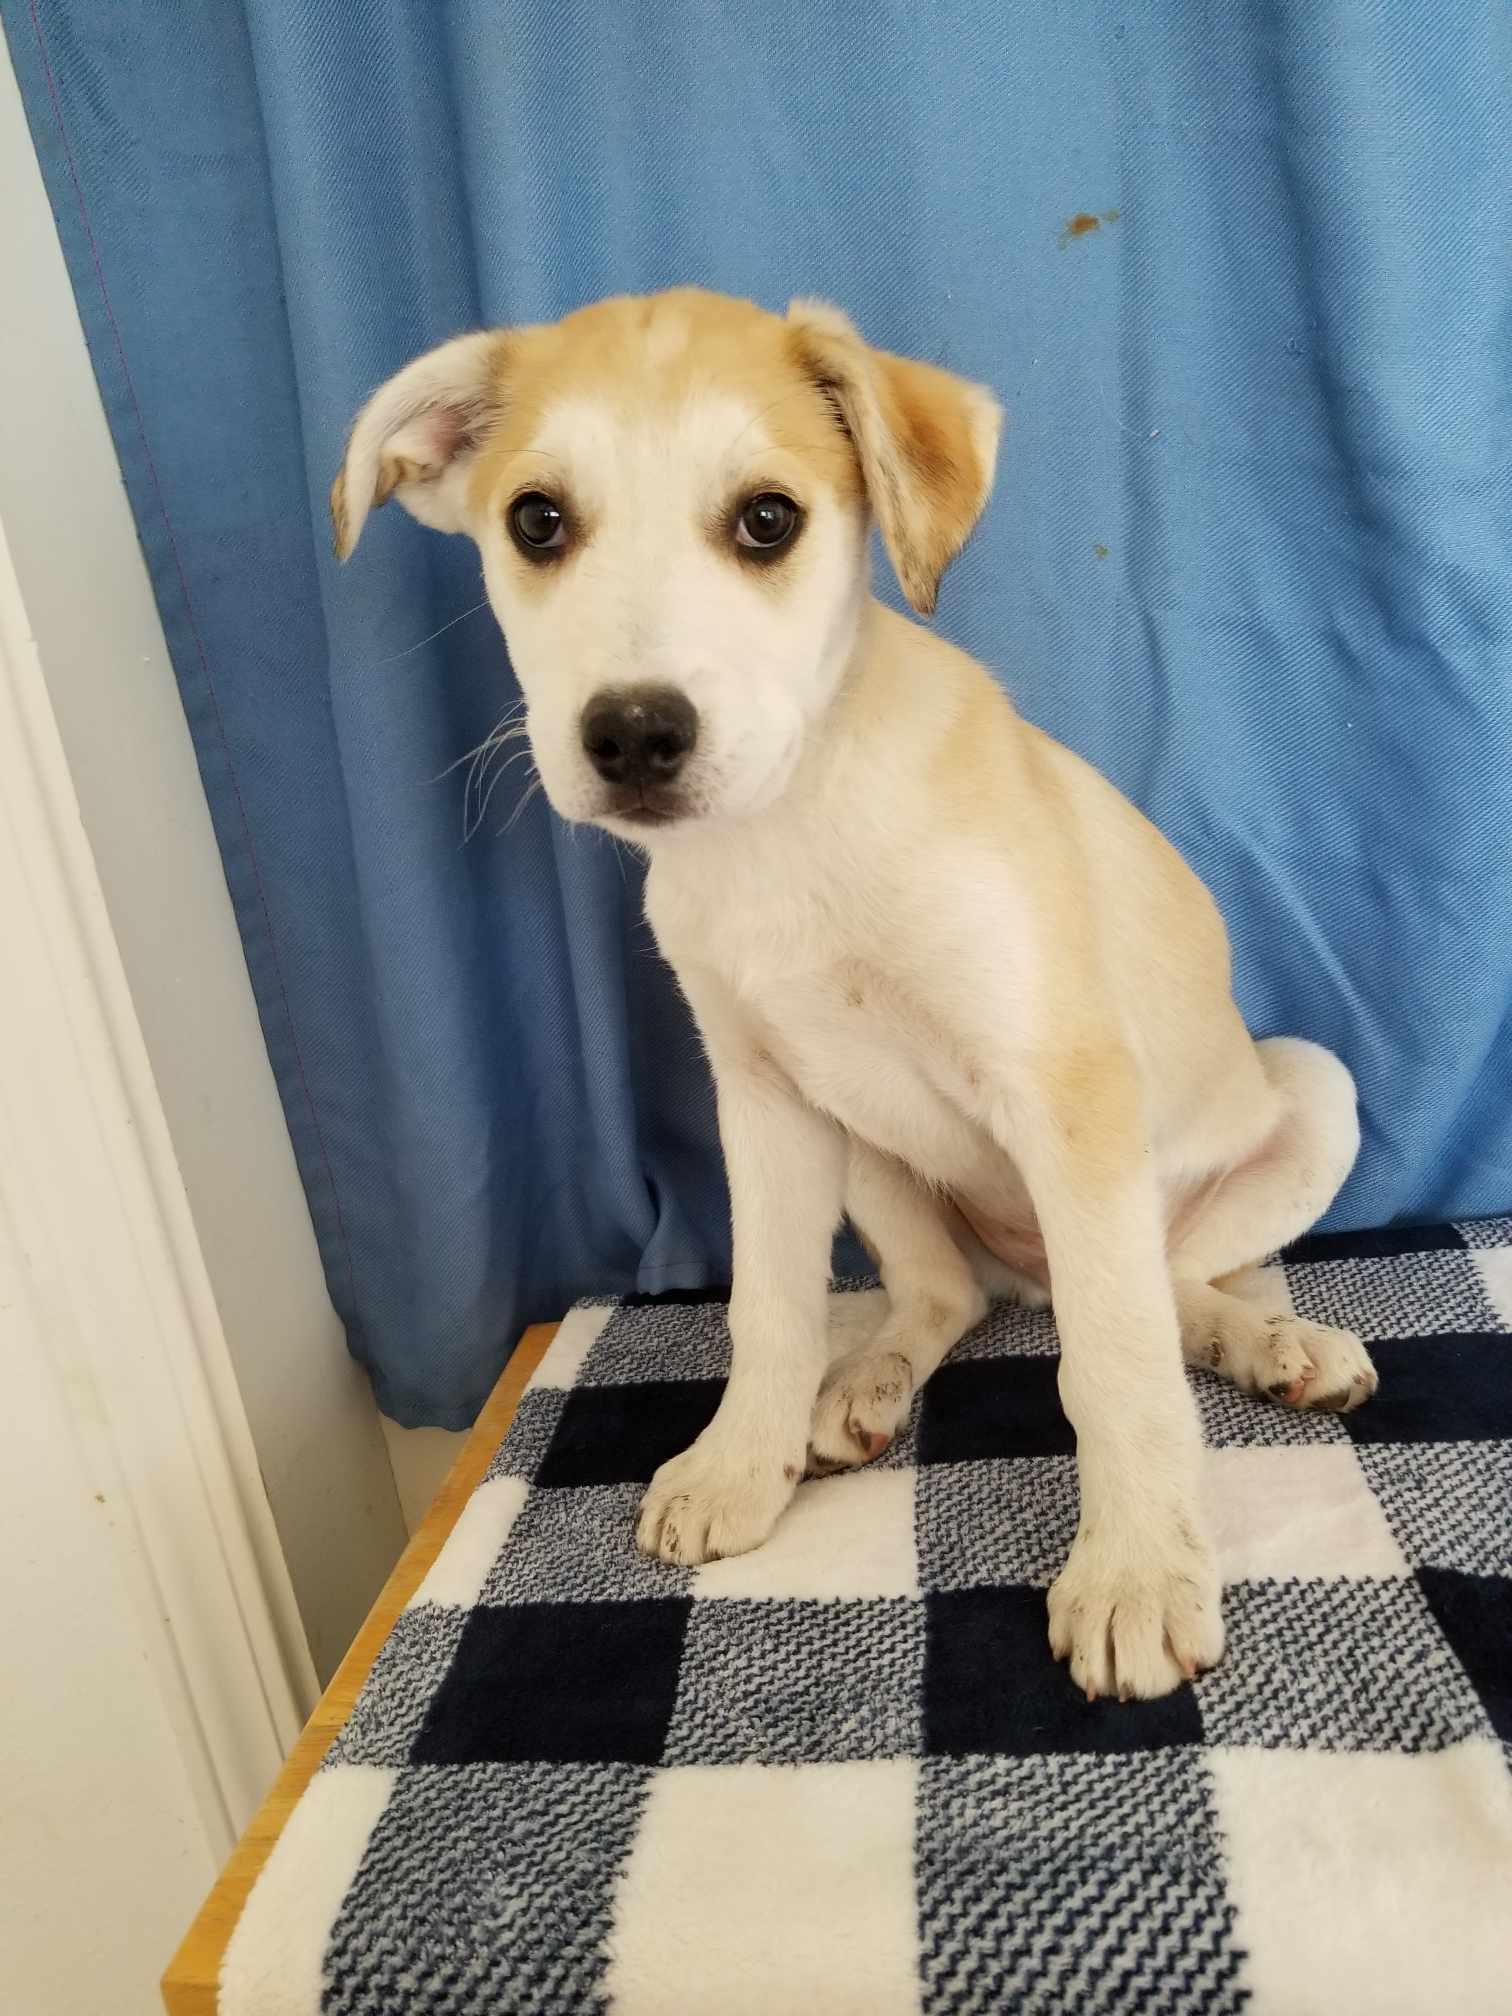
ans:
(671, 496)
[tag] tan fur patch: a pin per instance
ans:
(927, 443)
(668, 334)
(1093, 1098)
(639, 357)
(339, 532)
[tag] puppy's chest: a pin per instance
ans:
(836, 996)
(863, 1045)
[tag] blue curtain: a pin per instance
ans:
(1241, 273)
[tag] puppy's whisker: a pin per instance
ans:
(467, 756)
(483, 756)
(488, 781)
(468, 787)
(519, 756)
(477, 773)
(496, 759)
(483, 803)
(531, 791)
(410, 649)
(506, 729)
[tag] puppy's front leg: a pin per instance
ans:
(1136, 1607)
(786, 1168)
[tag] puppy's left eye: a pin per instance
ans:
(767, 521)
(538, 523)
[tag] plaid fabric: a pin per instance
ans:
(844, 1773)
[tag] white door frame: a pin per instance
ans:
(91, 1192)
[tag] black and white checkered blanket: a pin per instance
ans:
(844, 1774)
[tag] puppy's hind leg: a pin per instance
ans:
(933, 1299)
(1269, 1200)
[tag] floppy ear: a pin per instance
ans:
(416, 437)
(927, 442)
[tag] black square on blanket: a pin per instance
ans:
(564, 1683)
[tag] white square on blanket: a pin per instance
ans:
(275, 1962)
(758, 1887)
(1307, 1512)
(462, 1567)
(851, 1535)
(1370, 1883)
(1494, 1265)
(577, 1333)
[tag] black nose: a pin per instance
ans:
(641, 735)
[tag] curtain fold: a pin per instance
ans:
(1249, 551)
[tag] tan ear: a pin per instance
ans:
(415, 438)
(927, 441)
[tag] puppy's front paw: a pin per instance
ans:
(1138, 1614)
(705, 1504)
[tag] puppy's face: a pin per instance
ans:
(673, 533)
(672, 497)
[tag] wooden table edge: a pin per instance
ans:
(191, 1983)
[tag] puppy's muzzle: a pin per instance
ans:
(638, 740)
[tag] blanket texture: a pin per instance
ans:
(843, 1773)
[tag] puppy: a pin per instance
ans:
(949, 981)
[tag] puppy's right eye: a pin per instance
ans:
(537, 524)
(766, 522)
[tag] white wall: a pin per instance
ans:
(63, 509)
(421, 1458)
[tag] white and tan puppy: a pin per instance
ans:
(950, 982)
